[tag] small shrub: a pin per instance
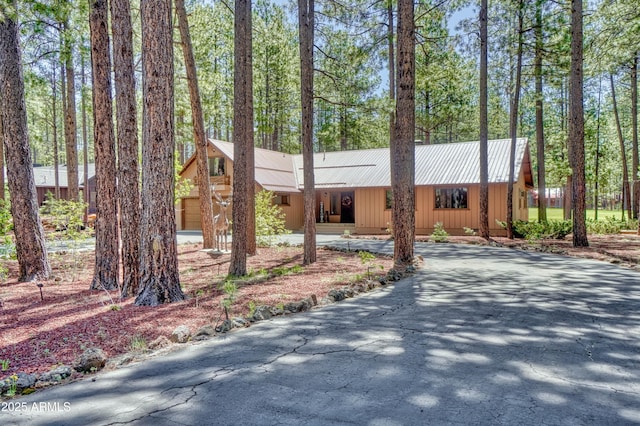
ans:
(270, 219)
(13, 385)
(65, 216)
(138, 343)
(5, 364)
(469, 231)
(252, 307)
(533, 230)
(439, 234)
(7, 246)
(605, 226)
(366, 257)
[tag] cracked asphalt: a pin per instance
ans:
(479, 335)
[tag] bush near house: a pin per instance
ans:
(270, 219)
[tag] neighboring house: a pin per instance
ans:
(44, 177)
(353, 188)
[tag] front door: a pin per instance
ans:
(347, 207)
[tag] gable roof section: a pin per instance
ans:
(442, 164)
(274, 170)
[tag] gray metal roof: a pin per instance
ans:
(274, 170)
(443, 164)
(45, 175)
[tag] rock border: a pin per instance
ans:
(25, 384)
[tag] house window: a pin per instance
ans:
(451, 198)
(388, 199)
(281, 200)
(334, 205)
(216, 166)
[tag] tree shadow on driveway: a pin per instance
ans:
(479, 335)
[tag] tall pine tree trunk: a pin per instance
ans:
(70, 127)
(106, 270)
(54, 129)
(85, 142)
(29, 234)
(197, 117)
(160, 280)
(306, 28)
(392, 66)
(540, 148)
(515, 104)
(623, 154)
(484, 125)
(2, 165)
(403, 144)
(242, 138)
(576, 128)
(634, 139)
(127, 126)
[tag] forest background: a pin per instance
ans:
(351, 78)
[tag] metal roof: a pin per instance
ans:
(45, 175)
(274, 170)
(442, 164)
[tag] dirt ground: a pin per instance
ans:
(39, 331)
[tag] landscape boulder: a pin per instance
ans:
(204, 332)
(262, 313)
(159, 343)
(93, 359)
(56, 375)
(181, 334)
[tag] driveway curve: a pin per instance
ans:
(479, 335)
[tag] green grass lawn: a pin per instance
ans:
(556, 214)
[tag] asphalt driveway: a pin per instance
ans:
(480, 335)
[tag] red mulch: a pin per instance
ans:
(37, 335)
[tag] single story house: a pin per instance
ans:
(353, 188)
(45, 180)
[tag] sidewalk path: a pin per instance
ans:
(479, 336)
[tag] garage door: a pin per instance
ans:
(191, 218)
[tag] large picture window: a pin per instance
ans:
(451, 198)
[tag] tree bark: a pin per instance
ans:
(306, 27)
(127, 131)
(201, 143)
(484, 125)
(106, 269)
(623, 154)
(403, 144)
(54, 129)
(160, 280)
(634, 138)
(2, 164)
(576, 128)
(242, 138)
(70, 127)
(540, 148)
(29, 234)
(515, 105)
(392, 69)
(85, 143)
(250, 227)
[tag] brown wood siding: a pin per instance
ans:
(294, 212)
(370, 214)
